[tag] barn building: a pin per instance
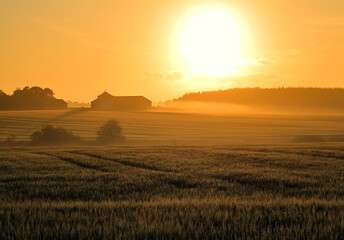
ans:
(106, 101)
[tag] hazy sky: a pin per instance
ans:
(80, 48)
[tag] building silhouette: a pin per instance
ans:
(108, 102)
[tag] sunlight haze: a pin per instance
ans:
(150, 48)
(171, 119)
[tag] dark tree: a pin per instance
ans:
(48, 92)
(50, 135)
(4, 100)
(3, 94)
(31, 98)
(110, 132)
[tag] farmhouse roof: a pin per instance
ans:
(105, 94)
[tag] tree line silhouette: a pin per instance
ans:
(332, 98)
(34, 98)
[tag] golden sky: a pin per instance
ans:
(132, 47)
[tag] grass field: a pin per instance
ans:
(177, 128)
(179, 176)
(215, 192)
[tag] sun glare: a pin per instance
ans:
(211, 43)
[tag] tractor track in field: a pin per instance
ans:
(125, 163)
(316, 154)
(74, 162)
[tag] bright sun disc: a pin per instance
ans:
(211, 43)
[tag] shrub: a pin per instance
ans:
(50, 135)
(110, 132)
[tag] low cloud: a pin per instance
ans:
(267, 61)
(193, 82)
(253, 79)
(256, 61)
(174, 76)
(158, 76)
(167, 76)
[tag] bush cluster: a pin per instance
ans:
(108, 133)
(49, 135)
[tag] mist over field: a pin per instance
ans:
(228, 109)
(177, 127)
(262, 101)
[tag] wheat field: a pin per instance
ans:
(166, 192)
(179, 176)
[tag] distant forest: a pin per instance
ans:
(331, 98)
(34, 98)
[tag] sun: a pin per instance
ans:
(211, 43)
